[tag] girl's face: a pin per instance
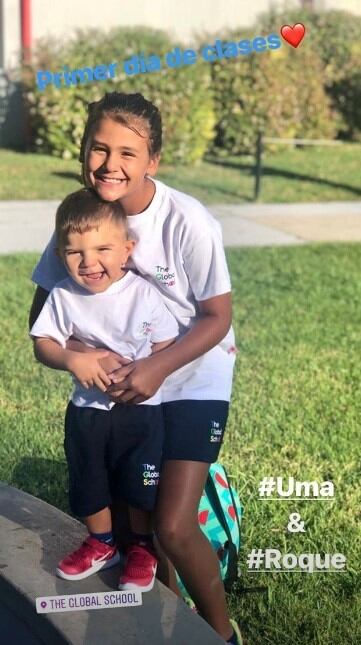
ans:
(118, 161)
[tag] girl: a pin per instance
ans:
(179, 250)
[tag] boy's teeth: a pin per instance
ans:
(95, 276)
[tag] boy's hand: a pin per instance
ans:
(110, 363)
(86, 368)
(113, 362)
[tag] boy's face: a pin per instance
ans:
(95, 258)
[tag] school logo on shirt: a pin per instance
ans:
(216, 432)
(165, 276)
(146, 328)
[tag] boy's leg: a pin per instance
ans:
(100, 522)
(142, 525)
(120, 523)
(86, 435)
(141, 522)
(135, 479)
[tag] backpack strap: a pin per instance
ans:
(233, 502)
(218, 506)
(232, 569)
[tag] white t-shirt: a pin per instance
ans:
(127, 318)
(179, 250)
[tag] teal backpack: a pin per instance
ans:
(219, 516)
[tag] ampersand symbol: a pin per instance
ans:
(295, 525)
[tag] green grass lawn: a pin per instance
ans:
(312, 174)
(295, 412)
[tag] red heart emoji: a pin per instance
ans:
(293, 35)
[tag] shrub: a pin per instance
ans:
(183, 94)
(279, 92)
(347, 99)
(335, 37)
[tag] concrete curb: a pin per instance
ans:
(33, 537)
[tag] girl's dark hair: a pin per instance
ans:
(83, 210)
(127, 109)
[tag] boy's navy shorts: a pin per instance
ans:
(111, 454)
(194, 429)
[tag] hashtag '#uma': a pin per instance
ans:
(267, 486)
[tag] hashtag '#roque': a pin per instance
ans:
(267, 486)
(255, 558)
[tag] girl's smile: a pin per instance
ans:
(118, 162)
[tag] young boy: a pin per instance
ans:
(112, 450)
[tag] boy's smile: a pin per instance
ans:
(95, 258)
(118, 163)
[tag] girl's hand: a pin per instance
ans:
(137, 382)
(86, 368)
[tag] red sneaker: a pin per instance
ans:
(139, 571)
(92, 556)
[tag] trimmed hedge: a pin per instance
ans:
(279, 92)
(335, 37)
(183, 94)
(311, 92)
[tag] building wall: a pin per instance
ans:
(182, 18)
(353, 6)
(10, 33)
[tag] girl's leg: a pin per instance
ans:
(180, 489)
(166, 571)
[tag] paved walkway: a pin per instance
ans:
(27, 225)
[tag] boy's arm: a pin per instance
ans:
(84, 367)
(109, 363)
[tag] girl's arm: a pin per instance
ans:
(85, 368)
(158, 347)
(140, 380)
(40, 296)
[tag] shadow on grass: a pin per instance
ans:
(224, 191)
(43, 478)
(268, 171)
(67, 175)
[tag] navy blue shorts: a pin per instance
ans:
(113, 454)
(194, 429)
